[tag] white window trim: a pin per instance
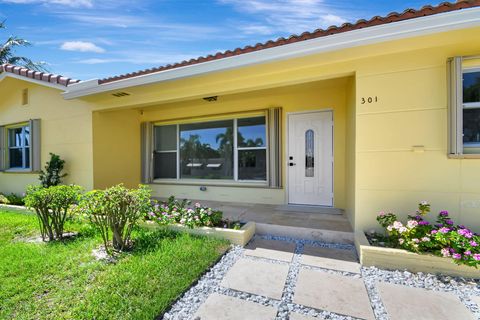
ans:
(23, 147)
(221, 182)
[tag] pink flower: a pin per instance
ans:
(197, 205)
(467, 253)
(445, 252)
(433, 232)
(473, 243)
(381, 213)
(456, 256)
(402, 229)
(476, 256)
(415, 240)
(425, 239)
(444, 230)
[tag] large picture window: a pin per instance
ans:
(18, 147)
(233, 149)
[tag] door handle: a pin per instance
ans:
(291, 164)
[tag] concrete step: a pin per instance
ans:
(323, 235)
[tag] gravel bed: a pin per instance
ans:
(189, 303)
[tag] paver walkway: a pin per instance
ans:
(274, 279)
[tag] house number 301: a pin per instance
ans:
(366, 100)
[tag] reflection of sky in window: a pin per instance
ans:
(471, 78)
(253, 132)
(206, 136)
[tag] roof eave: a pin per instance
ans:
(442, 22)
(4, 75)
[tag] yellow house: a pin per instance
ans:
(364, 117)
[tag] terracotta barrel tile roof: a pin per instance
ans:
(37, 75)
(360, 24)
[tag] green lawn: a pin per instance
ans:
(64, 281)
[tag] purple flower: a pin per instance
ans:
(476, 256)
(418, 217)
(449, 222)
(467, 253)
(424, 223)
(443, 213)
(444, 230)
(473, 243)
(433, 232)
(456, 256)
(466, 233)
(439, 225)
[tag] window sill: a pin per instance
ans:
(464, 156)
(213, 183)
(19, 171)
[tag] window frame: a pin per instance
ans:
(236, 149)
(456, 69)
(9, 168)
(469, 105)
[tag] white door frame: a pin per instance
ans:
(287, 183)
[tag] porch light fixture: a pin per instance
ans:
(210, 99)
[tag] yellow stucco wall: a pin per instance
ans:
(66, 129)
(120, 162)
(380, 170)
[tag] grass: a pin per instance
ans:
(64, 281)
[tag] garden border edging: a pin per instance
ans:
(239, 237)
(390, 258)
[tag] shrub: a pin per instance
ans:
(444, 238)
(52, 206)
(115, 211)
(174, 211)
(15, 199)
(52, 176)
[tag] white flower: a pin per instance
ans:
(415, 240)
(390, 228)
(401, 241)
(425, 239)
(402, 229)
(412, 224)
(397, 225)
(424, 203)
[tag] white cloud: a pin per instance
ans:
(81, 46)
(286, 16)
(68, 3)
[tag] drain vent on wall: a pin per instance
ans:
(120, 94)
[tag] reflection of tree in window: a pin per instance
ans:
(206, 150)
(471, 87)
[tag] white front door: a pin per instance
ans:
(310, 158)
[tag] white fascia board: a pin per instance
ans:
(460, 19)
(4, 75)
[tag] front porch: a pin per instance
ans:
(298, 222)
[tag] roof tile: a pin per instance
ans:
(37, 75)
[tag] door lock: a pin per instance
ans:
(291, 164)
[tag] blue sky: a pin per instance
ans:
(88, 39)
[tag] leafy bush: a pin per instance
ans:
(115, 211)
(444, 238)
(52, 176)
(174, 211)
(15, 199)
(52, 207)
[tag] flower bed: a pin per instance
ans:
(197, 219)
(421, 240)
(400, 259)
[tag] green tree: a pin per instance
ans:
(7, 53)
